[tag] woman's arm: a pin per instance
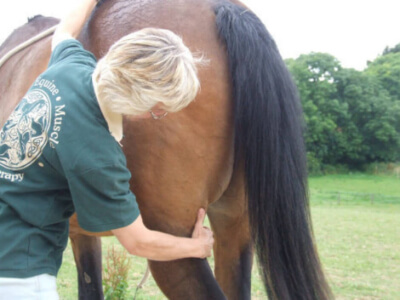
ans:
(155, 245)
(71, 25)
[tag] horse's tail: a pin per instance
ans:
(268, 139)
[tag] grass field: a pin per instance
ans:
(358, 240)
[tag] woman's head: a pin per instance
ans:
(147, 68)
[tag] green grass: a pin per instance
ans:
(362, 183)
(360, 249)
(358, 241)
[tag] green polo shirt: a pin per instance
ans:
(57, 156)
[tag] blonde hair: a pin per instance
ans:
(144, 68)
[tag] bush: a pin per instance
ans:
(335, 169)
(115, 275)
(380, 168)
(316, 168)
(313, 164)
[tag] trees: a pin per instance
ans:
(351, 117)
(388, 50)
(387, 69)
(325, 115)
(373, 117)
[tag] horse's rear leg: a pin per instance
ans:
(233, 247)
(87, 254)
(185, 278)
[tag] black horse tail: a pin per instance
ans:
(269, 140)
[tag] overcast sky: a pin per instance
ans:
(353, 31)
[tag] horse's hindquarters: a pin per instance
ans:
(184, 161)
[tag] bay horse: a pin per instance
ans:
(237, 150)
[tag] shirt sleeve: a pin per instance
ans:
(97, 175)
(102, 198)
(71, 49)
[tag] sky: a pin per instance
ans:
(354, 31)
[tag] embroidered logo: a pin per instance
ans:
(25, 134)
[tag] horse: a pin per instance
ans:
(237, 150)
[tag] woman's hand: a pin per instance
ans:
(203, 234)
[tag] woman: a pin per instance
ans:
(62, 154)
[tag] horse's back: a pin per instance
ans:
(19, 72)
